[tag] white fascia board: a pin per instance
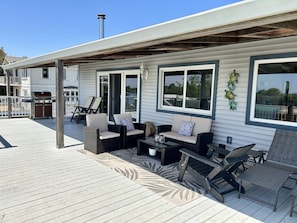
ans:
(240, 12)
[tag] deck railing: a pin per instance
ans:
(13, 80)
(24, 106)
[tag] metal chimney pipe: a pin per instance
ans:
(101, 18)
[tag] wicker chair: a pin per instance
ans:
(101, 137)
(132, 131)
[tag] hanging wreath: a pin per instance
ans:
(229, 94)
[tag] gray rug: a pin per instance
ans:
(149, 173)
(153, 165)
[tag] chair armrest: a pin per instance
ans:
(203, 139)
(215, 148)
(199, 158)
(164, 128)
(140, 126)
(116, 128)
(91, 133)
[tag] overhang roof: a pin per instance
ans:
(246, 21)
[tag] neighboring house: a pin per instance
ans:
(23, 82)
(186, 67)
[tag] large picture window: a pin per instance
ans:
(187, 89)
(273, 91)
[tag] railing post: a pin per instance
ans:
(8, 95)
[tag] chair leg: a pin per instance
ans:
(183, 166)
(292, 206)
(216, 194)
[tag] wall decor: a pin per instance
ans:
(229, 93)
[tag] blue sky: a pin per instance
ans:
(35, 27)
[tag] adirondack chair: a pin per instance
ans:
(84, 108)
(208, 171)
(281, 162)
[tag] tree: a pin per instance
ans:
(2, 56)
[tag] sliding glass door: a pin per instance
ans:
(120, 92)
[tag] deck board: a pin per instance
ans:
(40, 183)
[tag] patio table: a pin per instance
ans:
(168, 152)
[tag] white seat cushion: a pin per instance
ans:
(134, 132)
(108, 135)
(98, 121)
(119, 117)
(201, 125)
(175, 135)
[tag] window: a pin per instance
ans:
(64, 74)
(45, 74)
(188, 88)
(272, 99)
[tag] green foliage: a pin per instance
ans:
(2, 55)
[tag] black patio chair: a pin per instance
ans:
(99, 136)
(132, 130)
(208, 171)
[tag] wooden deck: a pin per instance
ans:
(39, 183)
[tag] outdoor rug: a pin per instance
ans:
(149, 172)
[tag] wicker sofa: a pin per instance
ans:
(195, 140)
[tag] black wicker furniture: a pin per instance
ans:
(197, 140)
(132, 130)
(99, 136)
(168, 152)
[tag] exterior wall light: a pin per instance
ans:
(144, 72)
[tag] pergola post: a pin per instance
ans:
(59, 105)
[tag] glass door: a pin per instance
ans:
(131, 92)
(119, 92)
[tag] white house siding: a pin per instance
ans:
(226, 123)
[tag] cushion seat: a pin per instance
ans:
(108, 135)
(189, 131)
(135, 132)
(175, 135)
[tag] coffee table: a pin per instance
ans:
(168, 152)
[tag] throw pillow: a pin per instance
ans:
(186, 128)
(128, 123)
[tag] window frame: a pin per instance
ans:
(214, 65)
(45, 73)
(255, 61)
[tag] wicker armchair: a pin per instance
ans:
(132, 131)
(101, 137)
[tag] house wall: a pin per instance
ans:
(226, 123)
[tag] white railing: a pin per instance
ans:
(23, 106)
(13, 80)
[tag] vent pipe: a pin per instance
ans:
(101, 18)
